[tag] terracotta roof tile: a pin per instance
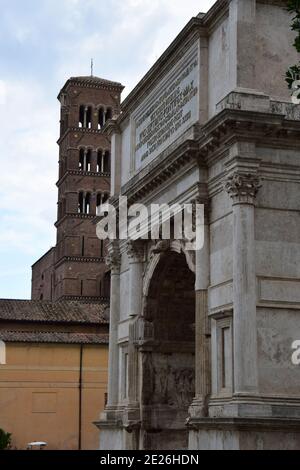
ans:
(52, 337)
(54, 312)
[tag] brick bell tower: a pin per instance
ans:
(75, 268)
(83, 184)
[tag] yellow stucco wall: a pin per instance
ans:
(39, 394)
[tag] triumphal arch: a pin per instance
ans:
(201, 343)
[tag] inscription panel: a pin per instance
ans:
(168, 112)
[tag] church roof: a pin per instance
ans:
(54, 312)
(52, 337)
(91, 81)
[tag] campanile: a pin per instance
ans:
(77, 268)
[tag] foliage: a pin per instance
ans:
(5, 439)
(293, 73)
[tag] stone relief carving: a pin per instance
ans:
(167, 384)
(173, 386)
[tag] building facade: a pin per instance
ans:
(53, 372)
(75, 268)
(53, 381)
(201, 341)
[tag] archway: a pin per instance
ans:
(168, 360)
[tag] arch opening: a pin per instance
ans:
(168, 377)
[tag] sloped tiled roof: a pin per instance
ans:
(52, 337)
(94, 82)
(54, 312)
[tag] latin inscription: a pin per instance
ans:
(169, 113)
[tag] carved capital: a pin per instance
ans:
(113, 259)
(136, 251)
(242, 187)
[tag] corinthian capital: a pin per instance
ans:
(242, 187)
(136, 251)
(113, 259)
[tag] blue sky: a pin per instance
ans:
(42, 43)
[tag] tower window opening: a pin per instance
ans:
(108, 114)
(87, 207)
(84, 203)
(99, 161)
(85, 157)
(101, 118)
(81, 116)
(85, 117)
(80, 203)
(106, 165)
(103, 161)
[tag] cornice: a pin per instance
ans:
(81, 173)
(245, 424)
(83, 298)
(79, 259)
(81, 130)
(138, 187)
(231, 125)
(83, 83)
(74, 216)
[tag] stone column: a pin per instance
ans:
(242, 36)
(136, 256)
(243, 187)
(199, 407)
(114, 261)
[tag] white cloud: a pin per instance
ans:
(124, 37)
(29, 167)
(139, 30)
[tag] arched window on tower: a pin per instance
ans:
(80, 202)
(85, 117)
(106, 164)
(108, 114)
(84, 203)
(101, 118)
(99, 161)
(87, 203)
(85, 157)
(103, 161)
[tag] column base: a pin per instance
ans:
(119, 428)
(244, 434)
(198, 408)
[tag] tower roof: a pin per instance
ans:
(91, 81)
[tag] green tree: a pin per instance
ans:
(5, 439)
(293, 73)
